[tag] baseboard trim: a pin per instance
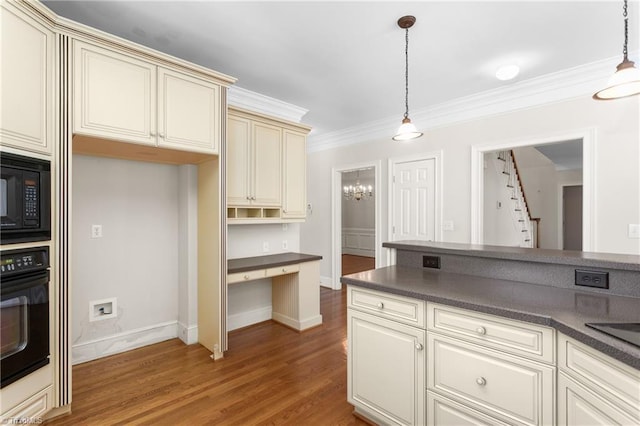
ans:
(326, 282)
(123, 342)
(246, 318)
(188, 334)
(295, 324)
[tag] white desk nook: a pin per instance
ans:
(295, 280)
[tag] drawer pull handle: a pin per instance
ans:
(284, 269)
(481, 381)
(481, 330)
(380, 305)
(419, 346)
(246, 277)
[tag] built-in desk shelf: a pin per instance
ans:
(244, 215)
(295, 280)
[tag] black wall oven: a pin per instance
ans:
(25, 199)
(24, 312)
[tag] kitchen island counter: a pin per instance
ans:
(566, 310)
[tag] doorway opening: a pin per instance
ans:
(538, 217)
(355, 224)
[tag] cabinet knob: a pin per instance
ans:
(246, 277)
(152, 134)
(419, 346)
(161, 135)
(481, 330)
(481, 381)
(284, 269)
(380, 305)
(284, 210)
(247, 197)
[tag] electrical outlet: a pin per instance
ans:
(596, 279)
(431, 262)
(285, 244)
(103, 309)
(265, 247)
(96, 231)
(447, 225)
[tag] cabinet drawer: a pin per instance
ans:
(282, 270)
(245, 276)
(616, 381)
(398, 308)
(442, 411)
(515, 337)
(33, 408)
(511, 388)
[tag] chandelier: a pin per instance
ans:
(358, 191)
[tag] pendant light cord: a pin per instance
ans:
(406, 73)
(626, 29)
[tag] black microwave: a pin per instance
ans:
(25, 199)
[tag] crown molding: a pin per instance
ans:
(246, 99)
(550, 88)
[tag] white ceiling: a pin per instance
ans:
(344, 61)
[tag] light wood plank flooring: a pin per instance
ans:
(352, 264)
(270, 375)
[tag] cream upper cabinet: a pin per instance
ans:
(118, 96)
(253, 163)
(266, 168)
(188, 112)
(27, 101)
(294, 182)
(267, 164)
(239, 164)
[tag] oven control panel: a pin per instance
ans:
(23, 260)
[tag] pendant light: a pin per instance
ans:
(626, 80)
(407, 130)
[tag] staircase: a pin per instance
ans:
(519, 207)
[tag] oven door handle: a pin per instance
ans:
(24, 282)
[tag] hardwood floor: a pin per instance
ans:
(352, 264)
(270, 375)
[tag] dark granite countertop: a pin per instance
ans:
(626, 262)
(564, 309)
(270, 261)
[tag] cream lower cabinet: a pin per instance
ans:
(499, 368)
(122, 97)
(27, 73)
(594, 389)
(386, 358)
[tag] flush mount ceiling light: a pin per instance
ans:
(407, 130)
(626, 80)
(507, 72)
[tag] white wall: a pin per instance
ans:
(136, 260)
(499, 226)
(250, 302)
(617, 158)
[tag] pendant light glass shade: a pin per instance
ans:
(407, 131)
(626, 80)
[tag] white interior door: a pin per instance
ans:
(414, 201)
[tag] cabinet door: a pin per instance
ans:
(295, 175)
(188, 112)
(26, 82)
(114, 95)
(238, 152)
(386, 369)
(577, 405)
(267, 165)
